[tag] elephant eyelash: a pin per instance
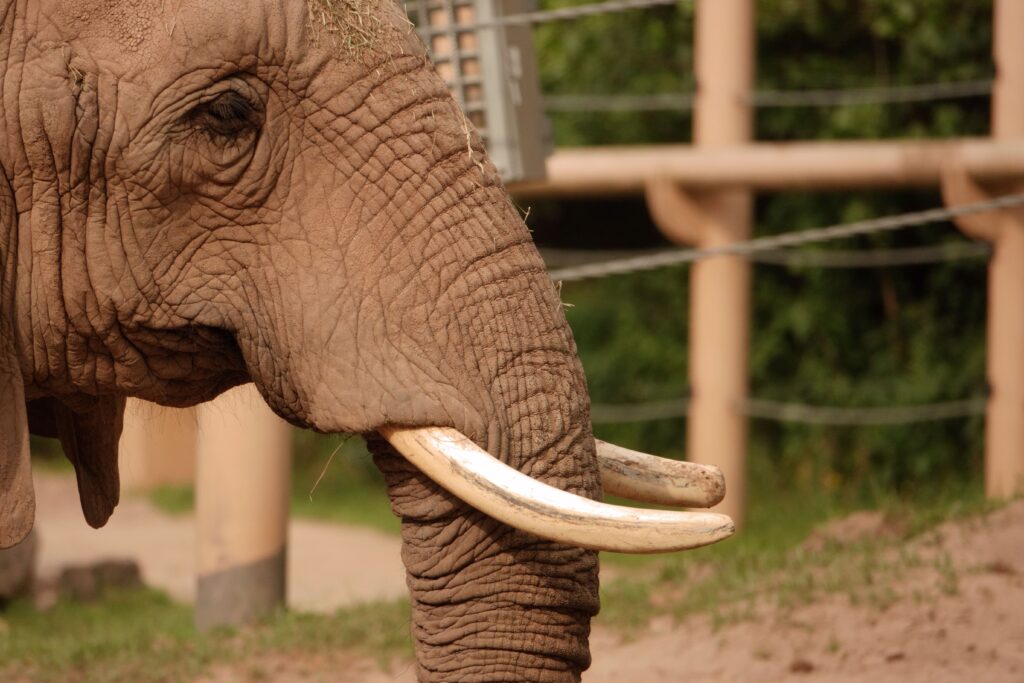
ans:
(228, 116)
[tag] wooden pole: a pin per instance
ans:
(771, 166)
(158, 447)
(242, 492)
(1004, 432)
(1004, 419)
(719, 287)
(1004, 452)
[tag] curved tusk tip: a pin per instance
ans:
(714, 485)
(723, 528)
(652, 479)
(727, 529)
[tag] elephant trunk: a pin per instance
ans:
(491, 602)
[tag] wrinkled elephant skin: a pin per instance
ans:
(201, 193)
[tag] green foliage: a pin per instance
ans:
(835, 337)
(333, 479)
(845, 43)
(631, 333)
(588, 56)
(174, 500)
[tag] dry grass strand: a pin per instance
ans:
(352, 26)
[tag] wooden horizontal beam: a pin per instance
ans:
(590, 171)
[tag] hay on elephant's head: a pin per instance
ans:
(348, 25)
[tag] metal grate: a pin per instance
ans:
(492, 73)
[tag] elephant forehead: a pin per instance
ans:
(140, 33)
(131, 22)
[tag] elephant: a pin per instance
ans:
(198, 194)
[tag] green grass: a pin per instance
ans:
(333, 479)
(48, 456)
(347, 489)
(348, 504)
(142, 636)
(174, 500)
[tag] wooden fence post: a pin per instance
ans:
(719, 287)
(158, 447)
(242, 493)
(1004, 419)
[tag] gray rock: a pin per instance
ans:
(18, 568)
(88, 582)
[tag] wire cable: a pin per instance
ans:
(923, 92)
(669, 101)
(548, 16)
(648, 411)
(801, 413)
(845, 416)
(785, 240)
(832, 258)
(874, 258)
(826, 97)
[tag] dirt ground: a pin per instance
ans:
(972, 630)
(327, 563)
(975, 633)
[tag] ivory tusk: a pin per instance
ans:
(650, 479)
(467, 471)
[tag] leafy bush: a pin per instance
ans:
(840, 337)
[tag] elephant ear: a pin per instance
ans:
(89, 437)
(17, 495)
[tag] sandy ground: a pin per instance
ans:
(973, 633)
(329, 565)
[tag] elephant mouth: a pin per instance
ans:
(457, 464)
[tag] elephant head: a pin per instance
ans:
(202, 193)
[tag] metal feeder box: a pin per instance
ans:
(492, 72)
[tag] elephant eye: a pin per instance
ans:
(229, 116)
